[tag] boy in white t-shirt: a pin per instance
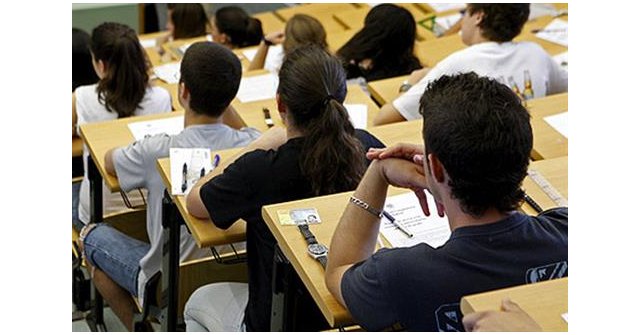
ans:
(210, 78)
(488, 30)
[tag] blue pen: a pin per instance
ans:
(216, 161)
(397, 224)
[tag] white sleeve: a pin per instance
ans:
(408, 104)
(134, 162)
(558, 78)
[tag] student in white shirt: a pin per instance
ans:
(209, 79)
(123, 90)
(488, 30)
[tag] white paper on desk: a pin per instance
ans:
(556, 32)
(443, 7)
(255, 88)
(565, 316)
(405, 208)
(562, 60)
(273, 62)
(446, 22)
(169, 126)
(148, 43)
(195, 159)
(169, 73)
(357, 115)
(559, 122)
(183, 48)
(537, 10)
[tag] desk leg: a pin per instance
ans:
(171, 222)
(292, 307)
(96, 318)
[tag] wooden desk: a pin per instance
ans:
(386, 90)
(555, 172)
(173, 47)
(321, 11)
(251, 112)
(270, 22)
(173, 91)
(336, 40)
(433, 51)
(540, 23)
(76, 147)
(545, 302)
(204, 232)
(399, 132)
(548, 142)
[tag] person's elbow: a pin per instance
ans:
(109, 162)
(195, 206)
(388, 114)
(333, 279)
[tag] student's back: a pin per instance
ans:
(123, 90)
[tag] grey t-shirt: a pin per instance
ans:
(136, 168)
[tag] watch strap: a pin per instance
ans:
(308, 235)
(323, 261)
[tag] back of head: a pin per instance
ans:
(479, 130)
(388, 36)
(242, 29)
(212, 75)
(125, 81)
(82, 71)
(312, 87)
(189, 20)
(301, 30)
(502, 22)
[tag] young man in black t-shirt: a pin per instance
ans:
(477, 141)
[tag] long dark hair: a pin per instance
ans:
(387, 38)
(242, 29)
(126, 78)
(189, 20)
(313, 87)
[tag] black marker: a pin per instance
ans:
(529, 200)
(267, 117)
(202, 173)
(184, 177)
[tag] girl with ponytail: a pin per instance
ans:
(318, 153)
(122, 90)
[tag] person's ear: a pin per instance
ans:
(436, 168)
(183, 94)
(282, 109)
(478, 17)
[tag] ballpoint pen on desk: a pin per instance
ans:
(202, 172)
(560, 30)
(395, 223)
(529, 200)
(216, 161)
(267, 117)
(184, 177)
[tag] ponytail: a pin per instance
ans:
(125, 82)
(242, 29)
(332, 157)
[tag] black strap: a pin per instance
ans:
(323, 261)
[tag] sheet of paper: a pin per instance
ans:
(183, 48)
(565, 316)
(443, 7)
(148, 43)
(255, 88)
(169, 73)
(541, 9)
(562, 60)
(405, 208)
(556, 32)
(187, 167)
(559, 122)
(169, 126)
(357, 115)
(274, 57)
(446, 22)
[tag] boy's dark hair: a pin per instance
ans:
(479, 130)
(502, 22)
(212, 75)
(82, 72)
(242, 29)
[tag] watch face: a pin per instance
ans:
(317, 249)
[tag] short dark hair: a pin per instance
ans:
(212, 75)
(82, 72)
(189, 20)
(502, 22)
(479, 130)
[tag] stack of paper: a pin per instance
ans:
(357, 115)
(559, 122)
(556, 32)
(405, 208)
(443, 7)
(255, 88)
(169, 126)
(187, 167)
(169, 73)
(148, 43)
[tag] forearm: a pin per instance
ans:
(355, 238)
(231, 118)
(258, 60)
(108, 162)
(388, 114)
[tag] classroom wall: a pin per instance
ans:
(87, 16)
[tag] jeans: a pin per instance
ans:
(116, 254)
(217, 307)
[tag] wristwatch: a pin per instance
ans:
(405, 86)
(316, 250)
